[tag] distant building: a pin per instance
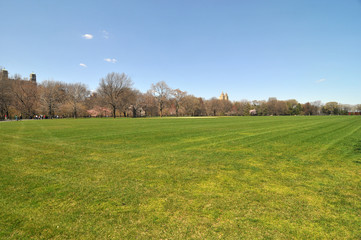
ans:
(223, 97)
(4, 75)
(33, 77)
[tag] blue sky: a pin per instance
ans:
(308, 50)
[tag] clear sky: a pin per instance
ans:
(252, 49)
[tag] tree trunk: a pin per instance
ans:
(134, 112)
(50, 110)
(161, 109)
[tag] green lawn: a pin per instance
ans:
(181, 178)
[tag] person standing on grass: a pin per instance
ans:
(16, 117)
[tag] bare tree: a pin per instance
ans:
(178, 97)
(136, 102)
(126, 101)
(93, 100)
(52, 94)
(6, 97)
(161, 92)
(112, 87)
(194, 106)
(226, 107)
(149, 104)
(77, 93)
(213, 106)
(26, 96)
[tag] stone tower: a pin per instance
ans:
(223, 97)
(33, 77)
(4, 75)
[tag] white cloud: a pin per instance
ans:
(111, 60)
(321, 80)
(105, 34)
(83, 65)
(87, 36)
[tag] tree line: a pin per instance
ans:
(116, 97)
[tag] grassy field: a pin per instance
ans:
(181, 178)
